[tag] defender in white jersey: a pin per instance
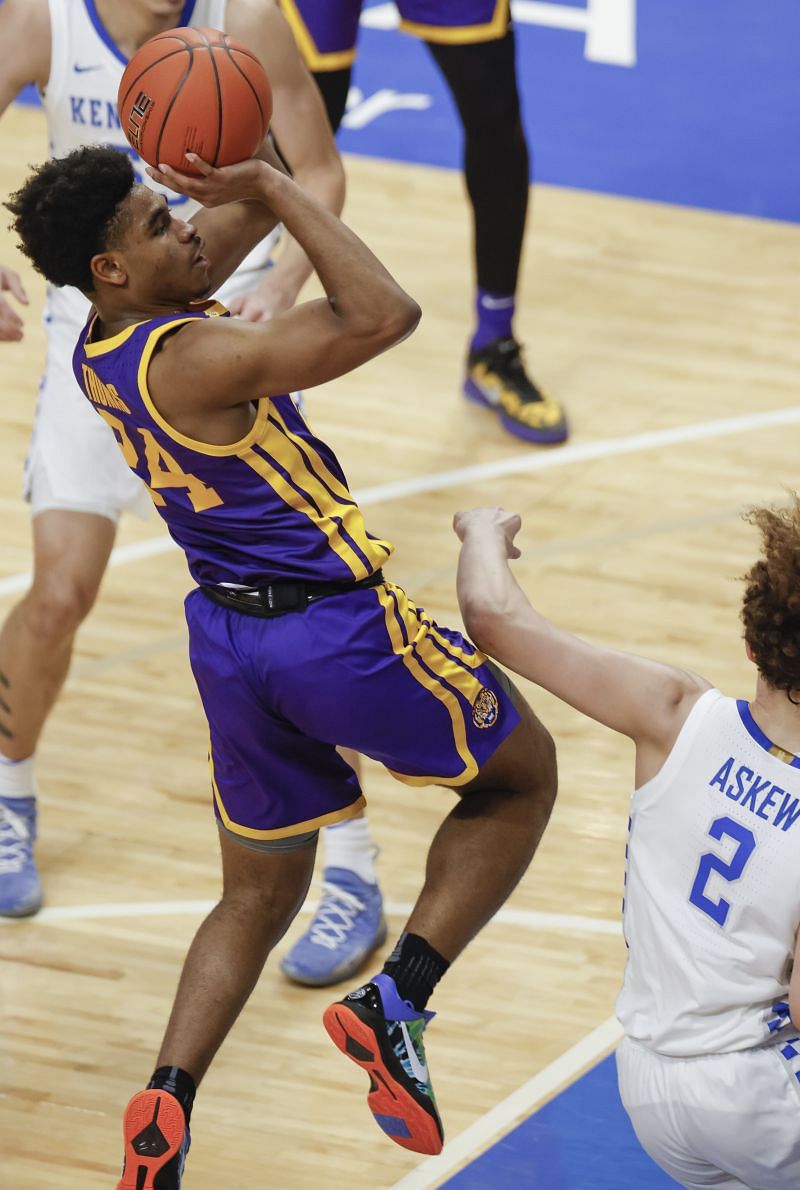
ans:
(75, 52)
(709, 1069)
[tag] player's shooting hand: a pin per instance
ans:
(490, 522)
(213, 187)
(11, 325)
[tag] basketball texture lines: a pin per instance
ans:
(198, 91)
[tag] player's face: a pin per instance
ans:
(163, 254)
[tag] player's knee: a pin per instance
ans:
(267, 909)
(534, 774)
(56, 607)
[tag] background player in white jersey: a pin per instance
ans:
(709, 1069)
(75, 52)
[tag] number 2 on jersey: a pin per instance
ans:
(732, 870)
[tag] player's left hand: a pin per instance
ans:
(263, 303)
(495, 522)
(11, 325)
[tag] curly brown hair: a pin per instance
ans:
(68, 211)
(771, 607)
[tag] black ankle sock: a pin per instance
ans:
(176, 1082)
(416, 968)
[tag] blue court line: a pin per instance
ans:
(581, 1140)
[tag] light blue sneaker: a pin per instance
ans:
(347, 926)
(20, 889)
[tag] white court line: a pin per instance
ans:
(519, 1104)
(530, 919)
(523, 464)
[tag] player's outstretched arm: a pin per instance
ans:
(229, 362)
(301, 129)
(642, 699)
(11, 325)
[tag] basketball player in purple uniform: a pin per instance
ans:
(472, 43)
(77, 485)
(297, 642)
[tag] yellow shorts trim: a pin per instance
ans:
(491, 30)
(314, 58)
(441, 688)
(282, 832)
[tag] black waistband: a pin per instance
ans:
(285, 595)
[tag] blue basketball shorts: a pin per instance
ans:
(367, 669)
(326, 30)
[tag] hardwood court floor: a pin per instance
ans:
(645, 320)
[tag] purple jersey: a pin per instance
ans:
(273, 505)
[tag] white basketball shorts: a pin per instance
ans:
(725, 1120)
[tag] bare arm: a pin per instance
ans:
(24, 58)
(642, 699)
(218, 364)
(301, 129)
(24, 47)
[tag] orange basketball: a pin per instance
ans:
(194, 90)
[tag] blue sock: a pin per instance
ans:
(495, 312)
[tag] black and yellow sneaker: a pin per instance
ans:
(496, 377)
(382, 1034)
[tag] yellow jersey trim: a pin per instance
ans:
(319, 482)
(312, 56)
(295, 499)
(281, 832)
(491, 30)
(204, 448)
(439, 688)
(103, 346)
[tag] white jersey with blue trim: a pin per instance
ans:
(80, 101)
(712, 892)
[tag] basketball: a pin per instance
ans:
(194, 90)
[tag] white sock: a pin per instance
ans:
(349, 845)
(17, 777)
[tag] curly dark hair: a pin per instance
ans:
(771, 607)
(67, 212)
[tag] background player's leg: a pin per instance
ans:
(477, 857)
(70, 552)
(482, 79)
(348, 923)
(334, 87)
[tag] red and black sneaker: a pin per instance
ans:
(383, 1034)
(156, 1142)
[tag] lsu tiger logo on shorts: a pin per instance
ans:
(485, 708)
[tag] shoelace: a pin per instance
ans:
(335, 916)
(15, 844)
